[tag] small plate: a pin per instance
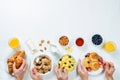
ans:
(6, 66)
(99, 71)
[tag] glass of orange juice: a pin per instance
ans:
(14, 43)
(109, 46)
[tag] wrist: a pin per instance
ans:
(109, 77)
(18, 79)
(86, 78)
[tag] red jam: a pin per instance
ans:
(79, 42)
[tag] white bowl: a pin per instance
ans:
(42, 54)
(73, 58)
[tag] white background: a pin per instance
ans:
(49, 19)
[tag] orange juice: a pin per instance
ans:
(109, 46)
(14, 43)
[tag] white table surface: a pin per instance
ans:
(49, 19)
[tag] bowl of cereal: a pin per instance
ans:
(43, 63)
(67, 62)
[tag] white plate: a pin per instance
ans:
(99, 71)
(27, 71)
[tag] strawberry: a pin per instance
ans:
(102, 64)
(87, 55)
(100, 60)
(89, 69)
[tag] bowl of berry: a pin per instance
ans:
(97, 39)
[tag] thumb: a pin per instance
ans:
(65, 72)
(107, 66)
(14, 67)
(35, 70)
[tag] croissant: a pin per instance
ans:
(17, 58)
(18, 61)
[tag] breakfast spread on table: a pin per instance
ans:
(93, 61)
(67, 62)
(17, 58)
(43, 64)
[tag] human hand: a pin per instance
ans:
(34, 74)
(61, 75)
(19, 73)
(109, 70)
(82, 71)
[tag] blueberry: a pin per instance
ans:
(49, 69)
(60, 59)
(43, 72)
(37, 64)
(69, 66)
(88, 62)
(97, 39)
(64, 62)
(72, 65)
(69, 56)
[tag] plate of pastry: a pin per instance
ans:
(67, 62)
(94, 63)
(43, 62)
(17, 58)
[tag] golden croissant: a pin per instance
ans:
(17, 58)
